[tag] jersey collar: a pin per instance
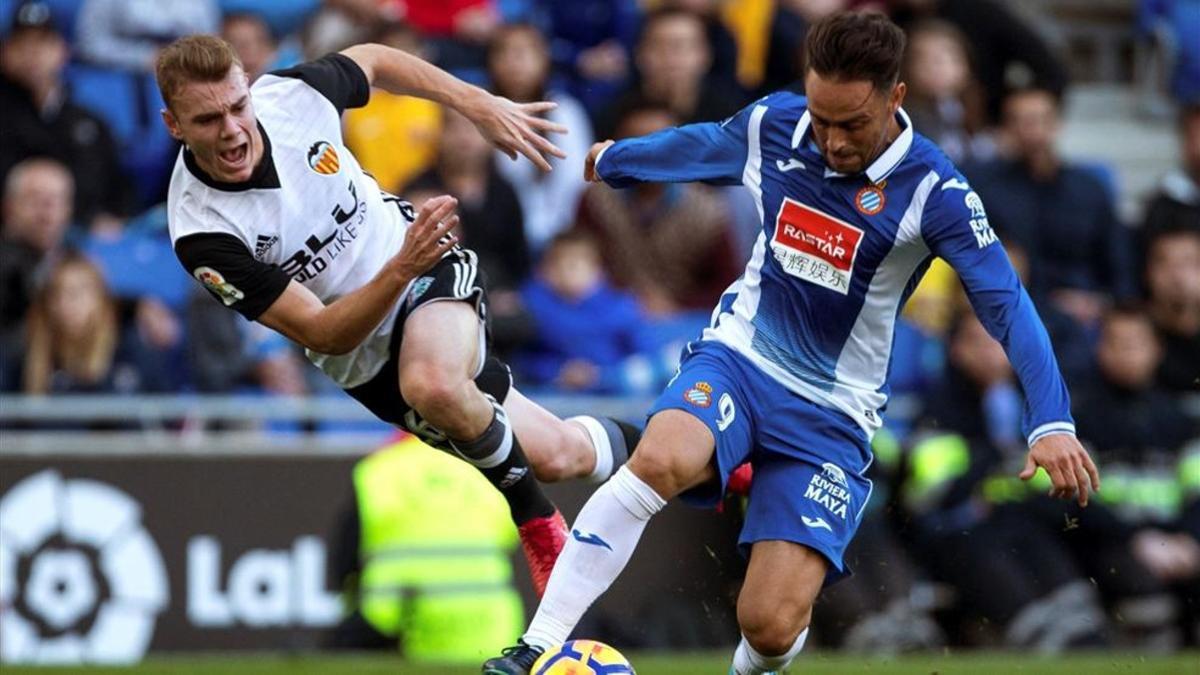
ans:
(883, 165)
(264, 177)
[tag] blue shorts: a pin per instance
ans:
(809, 460)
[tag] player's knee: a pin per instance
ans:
(771, 627)
(431, 388)
(556, 464)
(659, 468)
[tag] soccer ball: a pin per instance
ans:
(582, 657)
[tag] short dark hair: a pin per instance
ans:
(655, 16)
(851, 46)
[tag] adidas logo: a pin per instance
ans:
(264, 244)
(514, 474)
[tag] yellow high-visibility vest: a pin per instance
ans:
(435, 544)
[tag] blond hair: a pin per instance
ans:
(195, 58)
(86, 359)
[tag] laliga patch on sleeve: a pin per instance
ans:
(216, 283)
(815, 246)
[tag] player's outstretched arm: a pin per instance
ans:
(512, 127)
(955, 227)
(711, 152)
(342, 325)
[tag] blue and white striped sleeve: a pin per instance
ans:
(710, 152)
(956, 229)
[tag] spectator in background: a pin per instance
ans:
(37, 118)
(519, 67)
(127, 34)
(459, 30)
(720, 40)
(36, 212)
(1137, 432)
(491, 221)
(669, 243)
(586, 331)
(252, 40)
(785, 47)
(388, 121)
(1060, 213)
(227, 353)
(1177, 203)
(673, 58)
(1173, 282)
(1008, 53)
(976, 525)
(590, 44)
(1171, 22)
(75, 343)
(945, 102)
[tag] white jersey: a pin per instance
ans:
(309, 213)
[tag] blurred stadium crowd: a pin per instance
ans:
(594, 290)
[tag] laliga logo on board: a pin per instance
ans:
(80, 579)
(323, 158)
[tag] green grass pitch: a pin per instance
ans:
(686, 664)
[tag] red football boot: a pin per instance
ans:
(542, 539)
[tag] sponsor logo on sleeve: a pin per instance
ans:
(263, 244)
(323, 158)
(216, 283)
(815, 246)
(984, 235)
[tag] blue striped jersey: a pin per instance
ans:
(838, 256)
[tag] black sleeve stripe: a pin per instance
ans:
(224, 265)
(337, 77)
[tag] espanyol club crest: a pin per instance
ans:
(699, 395)
(870, 200)
(323, 158)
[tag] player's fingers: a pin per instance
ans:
(1059, 483)
(534, 156)
(1093, 472)
(1081, 479)
(430, 209)
(1030, 468)
(436, 220)
(537, 107)
(546, 125)
(546, 147)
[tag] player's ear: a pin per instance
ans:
(897, 96)
(172, 123)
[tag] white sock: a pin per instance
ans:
(747, 661)
(600, 444)
(601, 542)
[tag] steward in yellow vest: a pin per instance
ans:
(435, 544)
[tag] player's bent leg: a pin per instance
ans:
(674, 454)
(775, 605)
(439, 356)
(581, 447)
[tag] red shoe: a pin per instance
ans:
(542, 539)
(740, 480)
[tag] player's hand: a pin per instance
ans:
(1070, 467)
(515, 127)
(428, 238)
(589, 165)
